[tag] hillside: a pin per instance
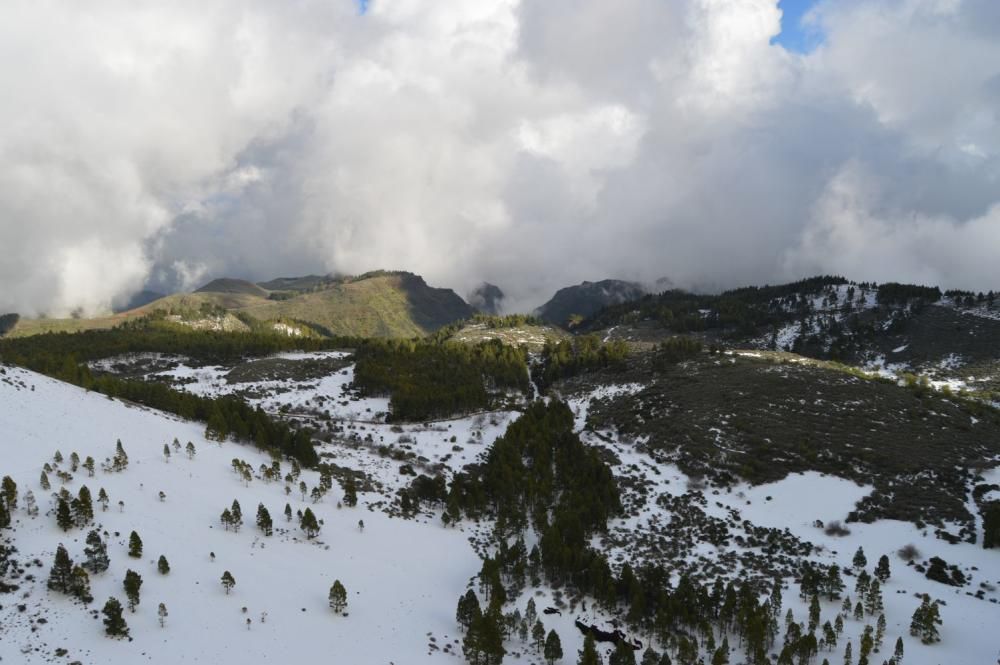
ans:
(380, 304)
(583, 300)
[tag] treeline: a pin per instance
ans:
(568, 358)
(148, 335)
(426, 380)
(541, 471)
(892, 293)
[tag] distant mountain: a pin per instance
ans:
(587, 298)
(235, 286)
(307, 283)
(139, 299)
(487, 298)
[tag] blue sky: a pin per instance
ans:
(794, 36)
(363, 5)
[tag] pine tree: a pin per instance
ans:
(102, 498)
(4, 516)
(553, 648)
(134, 546)
(468, 611)
(350, 493)
(288, 513)
(83, 507)
(926, 619)
(880, 627)
(30, 505)
(625, 655)
(166, 453)
(8, 492)
(88, 464)
(161, 612)
(189, 448)
(873, 600)
(531, 612)
(57, 458)
(120, 461)
(859, 611)
(830, 635)
(898, 652)
(162, 565)
(866, 644)
(588, 655)
(96, 552)
(833, 583)
(264, 522)
(114, 622)
(859, 561)
(237, 516)
(882, 569)
(650, 657)
(538, 635)
(132, 584)
(60, 576)
(228, 581)
(338, 597)
(44, 481)
(74, 461)
(64, 516)
(848, 658)
(79, 584)
(814, 612)
(309, 524)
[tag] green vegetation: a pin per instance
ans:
(425, 380)
(568, 358)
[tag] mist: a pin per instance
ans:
(531, 145)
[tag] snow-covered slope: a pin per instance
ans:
(402, 577)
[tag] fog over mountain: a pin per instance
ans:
(528, 144)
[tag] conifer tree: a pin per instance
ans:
(623, 654)
(102, 498)
(553, 648)
(859, 611)
(64, 516)
(814, 612)
(132, 584)
(309, 524)
(134, 546)
(114, 622)
(859, 561)
(162, 565)
(44, 482)
(650, 657)
(350, 493)
(926, 619)
(96, 552)
(79, 584)
(880, 627)
(338, 597)
(882, 569)
(88, 464)
(898, 652)
(538, 635)
(60, 575)
(288, 513)
(120, 460)
(166, 453)
(4, 516)
(74, 461)
(189, 448)
(531, 612)
(829, 636)
(866, 644)
(228, 581)
(833, 583)
(468, 611)
(237, 516)
(264, 522)
(57, 458)
(161, 613)
(8, 491)
(588, 655)
(848, 658)
(30, 505)
(83, 507)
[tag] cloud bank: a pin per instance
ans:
(528, 144)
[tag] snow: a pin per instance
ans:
(403, 577)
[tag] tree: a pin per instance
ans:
(79, 584)
(848, 658)
(468, 611)
(64, 516)
(8, 492)
(30, 505)
(161, 612)
(162, 565)
(61, 572)
(833, 583)
(120, 461)
(166, 452)
(4, 516)
(288, 513)
(189, 448)
(74, 461)
(44, 481)
(538, 635)
(83, 507)
(228, 581)
(991, 525)
(553, 648)
(350, 493)
(237, 516)
(898, 652)
(96, 552)
(926, 619)
(132, 584)
(338, 597)
(264, 522)
(588, 655)
(134, 546)
(859, 561)
(102, 498)
(309, 524)
(114, 622)
(88, 464)
(882, 569)
(880, 627)
(624, 654)
(650, 657)
(866, 644)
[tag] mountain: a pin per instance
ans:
(376, 304)
(586, 298)
(307, 283)
(139, 299)
(234, 286)
(487, 298)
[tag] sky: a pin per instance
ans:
(533, 145)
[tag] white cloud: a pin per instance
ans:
(531, 144)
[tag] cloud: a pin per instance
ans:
(527, 144)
